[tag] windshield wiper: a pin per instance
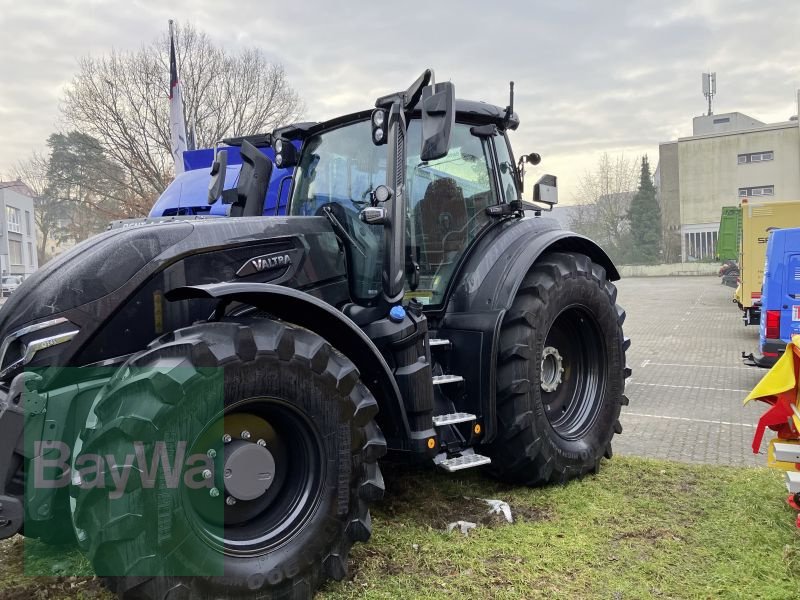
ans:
(341, 230)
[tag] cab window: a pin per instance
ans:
(447, 200)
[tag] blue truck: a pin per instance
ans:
(188, 192)
(780, 296)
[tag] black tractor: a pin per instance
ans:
(201, 403)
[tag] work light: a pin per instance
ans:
(379, 124)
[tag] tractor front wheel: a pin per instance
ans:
(561, 373)
(288, 448)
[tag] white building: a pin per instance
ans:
(17, 230)
(729, 156)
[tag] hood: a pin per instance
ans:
(87, 272)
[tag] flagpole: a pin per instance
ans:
(177, 121)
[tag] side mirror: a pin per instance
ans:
(546, 191)
(438, 119)
(218, 170)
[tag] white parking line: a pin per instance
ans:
(658, 364)
(687, 387)
(633, 414)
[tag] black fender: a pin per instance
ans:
(312, 313)
(484, 289)
(495, 268)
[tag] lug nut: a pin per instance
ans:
(245, 435)
(213, 492)
(226, 438)
(261, 443)
(212, 453)
(207, 474)
(230, 500)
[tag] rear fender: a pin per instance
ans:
(311, 313)
(486, 287)
(494, 272)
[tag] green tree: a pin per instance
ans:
(85, 187)
(645, 219)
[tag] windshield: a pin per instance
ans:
(446, 201)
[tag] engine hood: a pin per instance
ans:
(94, 268)
(106, 294)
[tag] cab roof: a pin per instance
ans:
(470, 111)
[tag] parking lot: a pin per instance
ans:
(688, 379)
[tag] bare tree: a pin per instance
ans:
(121, 100)
(604, 195)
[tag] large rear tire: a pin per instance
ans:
(323, 444)
(560, 374)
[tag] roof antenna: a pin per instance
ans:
(510, 107)
(710, 89)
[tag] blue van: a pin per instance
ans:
(188, 192)
(780, 296)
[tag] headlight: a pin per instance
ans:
(15, 353)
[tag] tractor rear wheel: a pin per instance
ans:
(293, 446)
(561, 373)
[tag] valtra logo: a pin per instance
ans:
(268, 262)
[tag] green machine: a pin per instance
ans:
(730, 233)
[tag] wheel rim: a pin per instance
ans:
(573, 372)
(264, 439)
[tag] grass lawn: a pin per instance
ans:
(639, 529)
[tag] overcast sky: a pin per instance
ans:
(591, 76)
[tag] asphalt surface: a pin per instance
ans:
(688, 378)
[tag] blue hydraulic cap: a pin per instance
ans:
(397, 314)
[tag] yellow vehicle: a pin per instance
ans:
(759, 217)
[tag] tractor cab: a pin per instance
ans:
(445, 200)
(440, 201)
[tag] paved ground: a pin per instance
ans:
(688, 379)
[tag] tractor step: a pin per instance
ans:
(438, 343)
(793, 481)
(465, 461)
(442, 379)
(787, 452)
(452, 419)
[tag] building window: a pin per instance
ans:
(31, 262)
(28, 222)
(722, 120)
(15, 252)
(764, 190)
(756, 157)
(700, 245)
(12, 217)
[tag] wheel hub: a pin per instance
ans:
(552, 369)
(249, 470)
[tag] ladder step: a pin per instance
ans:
(452, 419)
(468, 461)
(442, 379)
(436, 342)
(787, 452)
(793, 481)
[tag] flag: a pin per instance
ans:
(177, 125)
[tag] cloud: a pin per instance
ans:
(591, 77)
